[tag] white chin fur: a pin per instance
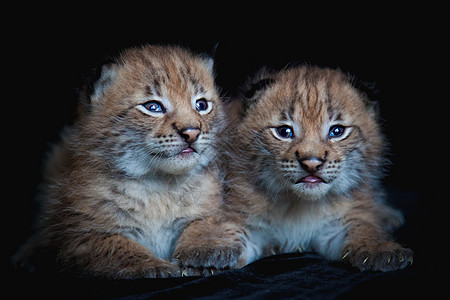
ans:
(141, 163)
(137, 166)
(179, 165)
(306, 192)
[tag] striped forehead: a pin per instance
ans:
(309, 102)
(175, 81)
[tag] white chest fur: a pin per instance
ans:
(155, 213)
(309, 227)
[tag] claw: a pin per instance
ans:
(402, 259)
(365, 260)
(389, 260)
(345, 255)
(184, 272)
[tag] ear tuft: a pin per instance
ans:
(209, 59)
(209, 62)
(257, 87)
(254, 87)
(107, 76)
(369, 93)
(95, 86)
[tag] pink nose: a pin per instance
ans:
(190, 135)
(311, 164)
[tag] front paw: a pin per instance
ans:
(153, 268)
(386, 256)
(209, 256)
(191, 271)
(164, 270)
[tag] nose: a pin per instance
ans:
(190, 135)
(311, 164)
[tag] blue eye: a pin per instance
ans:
(285, 132)
(154, 106)
(336, 131)
(201, 104)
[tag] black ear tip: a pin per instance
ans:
(95, 73)
(214, 49)
(257, 86)
(369, 91)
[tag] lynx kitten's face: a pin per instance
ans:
(309, 132)
(157, 110)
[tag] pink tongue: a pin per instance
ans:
(311, 179)
(187, 150)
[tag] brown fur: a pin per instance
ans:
(269, 209)
(118, 193)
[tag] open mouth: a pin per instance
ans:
(311, 180)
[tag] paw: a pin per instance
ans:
(163, 269)
(387, 256)
(189, 271)
(209, 256)
(154, 268)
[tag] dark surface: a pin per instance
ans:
(294, 276)
(300, 276)
(48, 54)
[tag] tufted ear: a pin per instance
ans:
(107, 76)
(209, 58)
(255, 86)
(209, 62)
(370, 92)
(95, 86)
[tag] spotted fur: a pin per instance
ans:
(304, 166)
(135, 170)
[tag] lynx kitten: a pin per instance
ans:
(137, 167)
(303, 175)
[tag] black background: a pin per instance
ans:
(48, 54)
